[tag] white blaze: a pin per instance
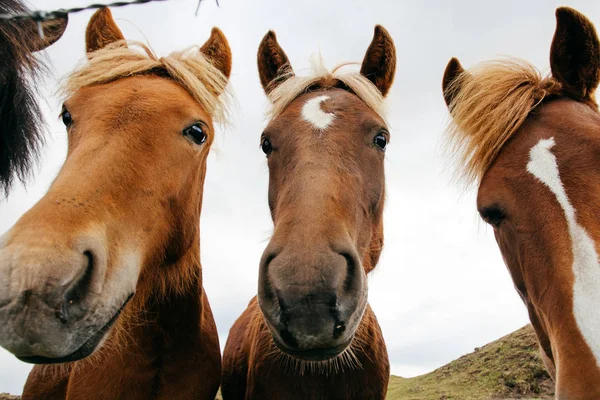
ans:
(586, 268)
(313, 113)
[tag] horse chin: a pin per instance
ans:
(85, 350)
(317, 354)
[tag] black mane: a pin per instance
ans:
(21, 123)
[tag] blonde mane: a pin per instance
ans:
(489, 104)
(188, 68)
(293, 86)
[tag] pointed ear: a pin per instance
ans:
(453, 70)
(273, 64)
(379, 64)
(575, 54)
(101, 31)
(53, 30)
(217, 51)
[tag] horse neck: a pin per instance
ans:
(167, 305)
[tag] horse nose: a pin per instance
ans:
(313, 319)
(62, 278)
(312, 303)
(48, 285)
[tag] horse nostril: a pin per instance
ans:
(24, 297)
(71, 307)
(265, 287)
(338, 329)
(351, 270)
(288, 338)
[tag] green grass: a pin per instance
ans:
(509, 368)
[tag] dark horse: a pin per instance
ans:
(20, 115)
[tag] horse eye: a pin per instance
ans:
(380, 141)
(266, 146)
(66, 117)
(195, 133)
(492, 215)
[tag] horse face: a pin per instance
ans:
(547, 231)
(115, 220)
(537, 163)
(326, 192)
(137, 153)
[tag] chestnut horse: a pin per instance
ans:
(310, 334)
(532, 144)
(20, 115)
(115, 241)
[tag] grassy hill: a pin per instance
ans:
(509, 368)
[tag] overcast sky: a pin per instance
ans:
(441, 287)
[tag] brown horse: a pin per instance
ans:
(21, 121)
(310, 333)
(532, 145)
(115, 241)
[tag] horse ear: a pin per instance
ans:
(575, 54)
(453, 71)
(273, 64)
(379, 64)
(217, 51)
(101, 31)
(53, 30)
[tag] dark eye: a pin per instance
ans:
(195, 133)
(380, 140)
(266, 146)
(66, 117)
(492, 215)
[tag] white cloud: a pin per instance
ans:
(441, 288)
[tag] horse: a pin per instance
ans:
(531, 143)
(101, 279)
(21, 123)
(310, 333)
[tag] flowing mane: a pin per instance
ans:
(489, 104)
(21, 122)
(188, 68)
(293, 86)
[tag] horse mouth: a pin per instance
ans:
(318, 354)
(86, 348)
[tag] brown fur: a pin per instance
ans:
(496, 131)
(102, 31)
(132, 179)
(326, 192)
(380, 65)
(273, 64)
(575, 54)
(254, 368)
(192, 69)
(489, 103)
(215, 50)
(290, 86)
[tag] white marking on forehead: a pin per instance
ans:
(586, 268)
(313, 113)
